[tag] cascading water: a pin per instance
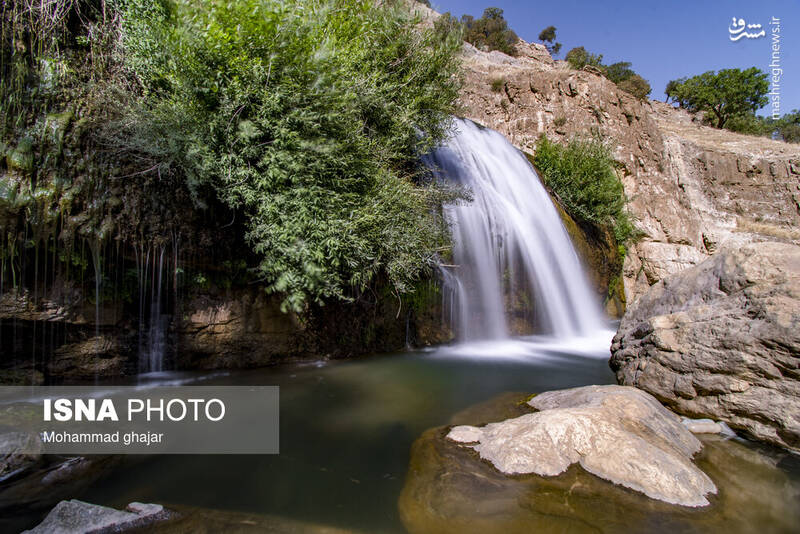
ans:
(152, 332)
(508, 239)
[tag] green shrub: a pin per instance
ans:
(307, 117)
(579, 58)
(582, 176)
(497, 85)
(749, 123)
(788, 127)
(491, 31)
(620, 73)
(635, 85)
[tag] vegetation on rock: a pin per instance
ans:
(548, 36)
(721, 95)
(579, 57)
(620, 73)
(490, 32)
(582, 175)
(302, 121)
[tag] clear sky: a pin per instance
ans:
(664, 40)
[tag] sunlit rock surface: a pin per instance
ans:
(449, 488)
(690, 187)
(722, 340)
(618, 433)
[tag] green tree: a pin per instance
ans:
(548, 36)
(788, 127)
(722, 95)
(635, 85)
(490, 31)
(618, 72)
(578, 58)
(672, 86)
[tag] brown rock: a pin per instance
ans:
(722, 340)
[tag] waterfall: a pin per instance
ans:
(153, 322)
(509, 242)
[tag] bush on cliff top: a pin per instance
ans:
(582, 175)
(490, 32)
(620, 73)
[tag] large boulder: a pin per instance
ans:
(450, 488)
(618, 433)
(722, 340)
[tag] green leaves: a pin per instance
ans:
(308, 117)
(723, 94)
(582, 175)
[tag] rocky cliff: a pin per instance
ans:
(721, 340)
(691, 188)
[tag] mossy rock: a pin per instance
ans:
(21, 158)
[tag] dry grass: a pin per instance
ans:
(786, 233)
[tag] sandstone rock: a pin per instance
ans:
(450, 489)
(74, 517)
(691, 188)
(46, 481)
(617, 433)
(236, 329)
(721, 340)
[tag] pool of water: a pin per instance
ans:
(346, 429)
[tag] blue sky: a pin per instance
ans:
(664, 40)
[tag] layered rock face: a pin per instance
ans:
(691, 188)
(722, 340)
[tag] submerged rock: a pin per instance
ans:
(618, 433)
(73, 517)
(19, 451)
(721, 340)
(449, 488)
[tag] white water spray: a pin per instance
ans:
(509, 238)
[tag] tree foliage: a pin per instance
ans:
(578, 58)
(788, 127)
(620, 73)
(635, 85)
(491, 31)
(304, 118)
(548, 36)
(308, 118)
(721, 95)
